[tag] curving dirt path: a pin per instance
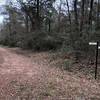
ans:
(30, 76)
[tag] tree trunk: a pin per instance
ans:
(49, 30)
(38, 16)
(98, 11)
(82, 15)
(90, 13)
(76, 15)
(59, 16)
(69, 15)
(27, 24)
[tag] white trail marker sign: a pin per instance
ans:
(92, 43)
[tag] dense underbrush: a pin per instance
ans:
(39, 41)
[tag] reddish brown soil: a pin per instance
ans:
(30, 76)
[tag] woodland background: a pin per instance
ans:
(43, 25)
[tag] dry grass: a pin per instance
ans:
(36, 76)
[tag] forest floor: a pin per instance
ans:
(25, 75)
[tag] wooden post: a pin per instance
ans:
(96, 67)
(96, 62)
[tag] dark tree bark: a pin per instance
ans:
(82, 15)
(98, 11)
(38, 14)
(49, 29)
(90, 13)
(49, 26)
(59, 16)
(76, 14)
(27, 23)
(69, 15)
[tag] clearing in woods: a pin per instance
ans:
(30, 76)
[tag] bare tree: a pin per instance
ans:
(38, 12)
(90, 13)
(27, 23)
(98, 11)
(76, 13)
(82, 15)
(69, 15)
(59, 15)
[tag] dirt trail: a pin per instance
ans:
(29, 76)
